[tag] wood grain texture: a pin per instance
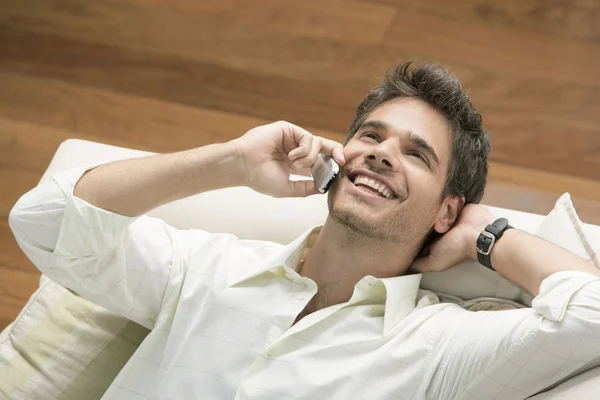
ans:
(16, 285)
(165, 76)
(182, 81)
(534, 91)
(572, 19)
(359, 22)
(125, 120)
(499, 47)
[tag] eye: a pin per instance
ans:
(420, 156)
(370, 135)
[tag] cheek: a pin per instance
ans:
(423, 189)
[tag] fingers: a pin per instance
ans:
(323, 146)
(304, 147)
(302, 139)
(315, 149)
(420, 265)
(431, 263)
(309, 147)
(335, 149)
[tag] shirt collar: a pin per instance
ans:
(401, 298)
(288, 256)
(399, 293)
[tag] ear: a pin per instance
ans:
(448, 213)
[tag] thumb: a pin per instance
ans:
(303, 188)
(422, 264)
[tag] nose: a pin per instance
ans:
(380, 157)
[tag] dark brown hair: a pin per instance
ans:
(432, 83)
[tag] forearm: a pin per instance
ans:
(136, 186)
(527, 259)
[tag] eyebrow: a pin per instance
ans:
(415, 139)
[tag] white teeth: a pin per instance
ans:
(379, 186)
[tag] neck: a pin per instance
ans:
(340, 258)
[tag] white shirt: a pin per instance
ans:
(221, 311)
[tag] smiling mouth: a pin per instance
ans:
(372, 187)
(369, 190)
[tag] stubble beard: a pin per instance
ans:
(391, 226)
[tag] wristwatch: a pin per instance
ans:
(487, 238)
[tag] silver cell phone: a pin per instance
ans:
(324, 171)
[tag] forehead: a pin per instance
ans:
(407, 115)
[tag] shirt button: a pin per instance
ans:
(271, 352)
(300, 297)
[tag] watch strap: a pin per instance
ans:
(488, 238)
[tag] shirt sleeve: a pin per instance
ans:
(514, 354)
(130, 265)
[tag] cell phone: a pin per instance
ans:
(324, 171)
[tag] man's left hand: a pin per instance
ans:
(458, 244)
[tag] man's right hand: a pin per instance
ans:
(270, 153)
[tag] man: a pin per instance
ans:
(336, 314)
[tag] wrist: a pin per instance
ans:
(211, 167)
(234, 163)
(474, 235)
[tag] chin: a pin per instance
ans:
(356, 220)
(390, 225)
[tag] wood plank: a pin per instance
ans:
(338, 20)
(489, 46)
(575, 19)
(204, 37)
(544, 181)
(15, 183)
(182, 81)
(119, 119)
(513, 197)
(11, 255)
(26, 147)
(544, 141)
(193, 36)
(319, 60)
(514, 114)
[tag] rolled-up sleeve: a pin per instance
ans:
(514, 354)
(130, 265)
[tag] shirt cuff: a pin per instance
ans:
(86, 230)
(557, 290)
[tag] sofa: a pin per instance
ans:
(62, 346)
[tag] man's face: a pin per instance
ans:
(405, 143)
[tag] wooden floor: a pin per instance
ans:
(168, 75)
